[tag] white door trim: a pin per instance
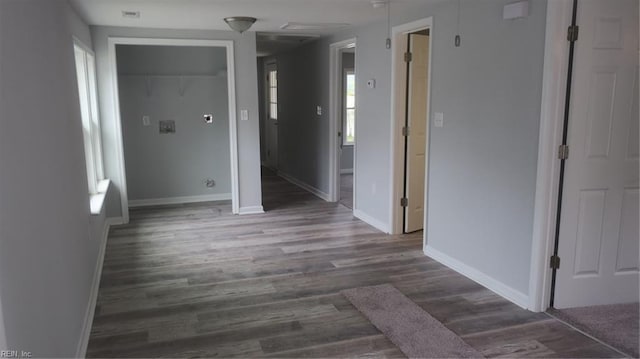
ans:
(233, 137)
(550, 137)
(335, 113)
(397, 150)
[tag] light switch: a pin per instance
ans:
(371, 83)
(438, 120)
(244, 115)
(146, 121)
(319, 110)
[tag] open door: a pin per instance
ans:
(598, 240)
(416, 130)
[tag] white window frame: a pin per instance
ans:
(273, 101)
(90, 115)
(345, 109)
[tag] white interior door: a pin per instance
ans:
(598, 244)
(417, 138)
(272, 116)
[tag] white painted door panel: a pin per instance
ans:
(599, 241)
(417, 140)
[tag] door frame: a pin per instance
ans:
(396, 177)
(335, 113)
(268, 65)
(231, 85)
(555, 72)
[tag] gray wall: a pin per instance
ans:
(482, 163)
(246, 98)
(346, 156)
(174, 165)
(303, 147)
(50, 242)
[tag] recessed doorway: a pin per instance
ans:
(410, 125)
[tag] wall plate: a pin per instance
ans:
(167, 127)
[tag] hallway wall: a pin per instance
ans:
(50, 243)
(483, 161)
(303, 151)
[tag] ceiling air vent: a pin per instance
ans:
(311, 26)
(131, 14)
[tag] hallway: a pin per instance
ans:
(195, 280)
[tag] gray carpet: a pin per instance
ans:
(616, 325)
(414, 331)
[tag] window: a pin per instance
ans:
(349, 122)
(87, 90)
(273, 94)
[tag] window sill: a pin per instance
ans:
(348, 144)
(96, 201)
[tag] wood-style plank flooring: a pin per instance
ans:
(196, 281)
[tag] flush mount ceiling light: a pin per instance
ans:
(312, 25)
(240, 23)
(131, 14)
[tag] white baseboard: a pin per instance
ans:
(114, 221)
(346, 171)
(81, 351)
(251, 210)
(371, 221)
(305, 186)
(179, 200)
(511, 294)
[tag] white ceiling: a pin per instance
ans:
(208, 14)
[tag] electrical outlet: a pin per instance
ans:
(146, 120)
(319, 110)
(167, 127)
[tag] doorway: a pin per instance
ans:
(410, 125)
(343, 125)
(271, 115)
(165, 131)
(348, 126)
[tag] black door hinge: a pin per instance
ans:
(572, 33)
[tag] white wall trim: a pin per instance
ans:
(233, 130)
(379, 225)
(335, 113)
(81, 350)
(475, 275)
(550, 137)
(179, 200)
(251, 210)
(305, 186)
(396, 175)
(346, 171)
(115, 221)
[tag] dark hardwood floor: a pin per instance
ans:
(194, 280)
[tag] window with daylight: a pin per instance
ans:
(349, 122)
(87, 90)
(273, 94)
